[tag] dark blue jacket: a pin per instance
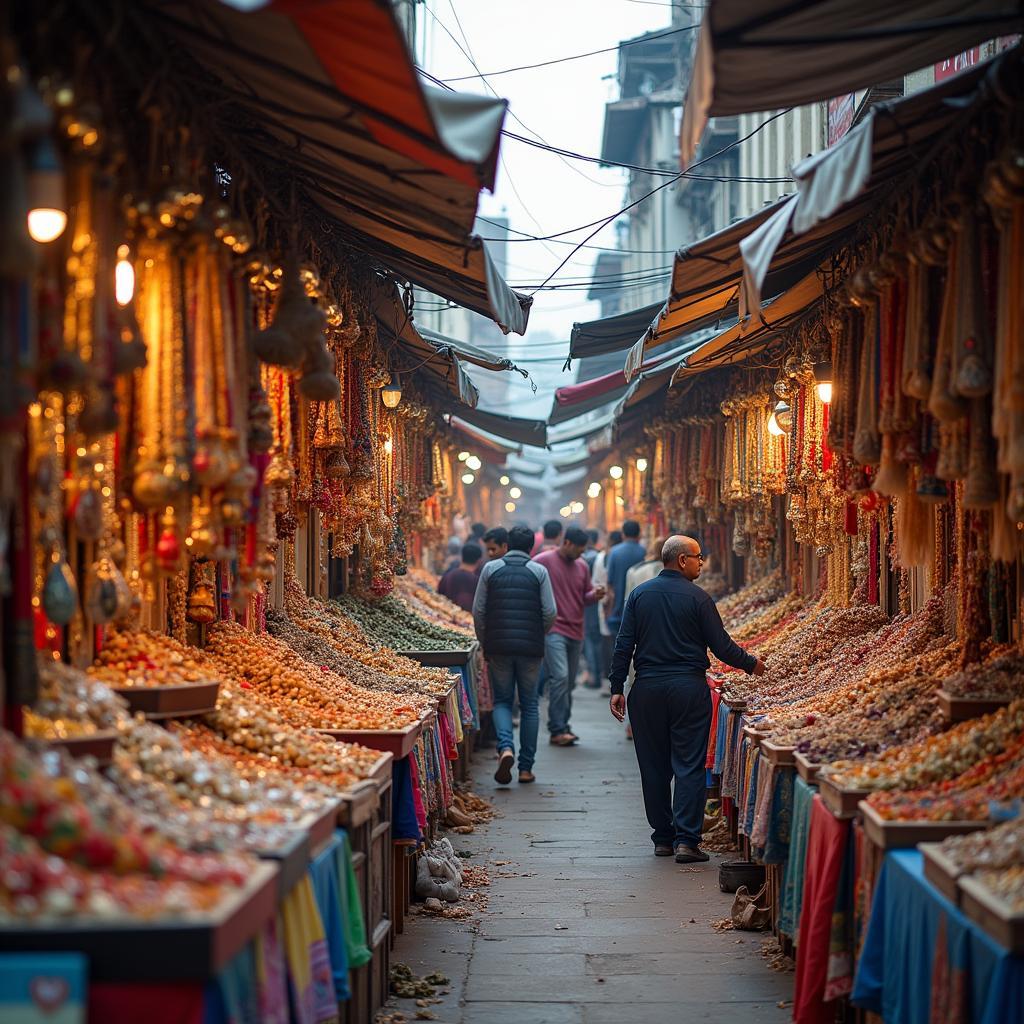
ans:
(514, 607)
(668, 625)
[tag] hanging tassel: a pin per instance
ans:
(866, 442)
(971, 363)
(916, 379)
(981, 489)
(943, 404)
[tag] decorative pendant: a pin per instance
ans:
(168, 548)
(102, 598)
(202, 605)
(89, 514)
(60, 594)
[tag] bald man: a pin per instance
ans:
(668, 624)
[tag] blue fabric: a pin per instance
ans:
(796, 862)
(233, 996)
(776, 849)
(721, 738)
(751, 797)
(619, 561)
(327, 889)
(507, 676)
(403, 807)
(470, 689)
(895, 973)
(561, 662)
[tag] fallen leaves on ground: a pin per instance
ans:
(777, 959)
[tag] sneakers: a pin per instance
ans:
(503, 776)
(690, 854)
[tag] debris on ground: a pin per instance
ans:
(406, 985)
(723, 925)
(716, 838)
(777, 959)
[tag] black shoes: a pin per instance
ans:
(690, 854)
(662, 850)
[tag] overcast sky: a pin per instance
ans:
(564, 104)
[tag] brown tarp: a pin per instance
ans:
(760, 55)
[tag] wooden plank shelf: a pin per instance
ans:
(292, 858)
(189, 947)
(755, 737)
(806, 769)
(778, 755)
(843, 803)
(358, 803)
(397, 742)
(995, 916)
(440, 659)
(962, 709)
(162, 702)
(941, 871)
(905, 835)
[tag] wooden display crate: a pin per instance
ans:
(292, 858)
(440, 659)
(778, 755)
(841, 802)
(397, 742)
(805, 768)
(160, 702)
(176, 949)
(961, 709)
(995, 916)
(99, 745)
(321, 826)
(736, 704)
(755, 737)
(358, 803)
(905, 835)
(941, 871)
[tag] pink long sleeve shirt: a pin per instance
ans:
(573, 590)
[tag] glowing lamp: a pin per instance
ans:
(391, 394)
(510, 506)
(515, 492)
(641, 465)
(474, 463)
(503, 480)
(47, 216)
(615, 472)
(593, 490)
(468, 478)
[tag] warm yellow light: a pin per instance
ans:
(391, 395)
(510, 506)
(619, 499)
(45, 225)
(773, 426)
(515, 492)
(825, 392)
(463, 456)
(503, 480)
(594, 490)
(615, 472)
(565, 511)
(388, 445)
(474, 463)
(576, 507)
(124, 277)
(641, 465)
(468, 478)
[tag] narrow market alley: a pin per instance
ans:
(583, 924)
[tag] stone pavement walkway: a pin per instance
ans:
(589, 927)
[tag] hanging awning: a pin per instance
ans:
(840, 187)
(509, 428)
(610, 333)
(471, 353)
(482, 441)
(756, 55)
(324, 98)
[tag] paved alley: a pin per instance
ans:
(590, 928)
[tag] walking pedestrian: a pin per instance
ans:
(549, 537)
(459, 584)
(620, 560)
(599, 574)
(592, 622)
(641, 573)
(496, 543)
(571, 583)
(513, 610)
(668, 624)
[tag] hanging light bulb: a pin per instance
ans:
(388, 445)
(565, 511)
(468, 478)
(641, 465)
(474, 463)
(510, 506)
(47, 216)
(823, 376)
(515, 492)
(593, 490)
(615, 472)
(576, 507)
(463, 456)
(775, 428)
(391, 395)
(503, 480)
(124, 277)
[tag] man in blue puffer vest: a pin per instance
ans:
(513, 609)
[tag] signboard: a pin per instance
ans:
(43, 988)
(959, 62)
(840, 116)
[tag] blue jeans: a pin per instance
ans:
(592, 653)
(671, 720)
(506, 674)
(561, 662)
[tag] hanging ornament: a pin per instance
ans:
(168, 548)
(102, 599)
(60, 594)
(89, 514)
(202, 604)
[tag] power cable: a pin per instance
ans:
(577, 56)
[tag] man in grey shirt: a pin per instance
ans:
(513, 609)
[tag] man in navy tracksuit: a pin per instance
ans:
(668, 624)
